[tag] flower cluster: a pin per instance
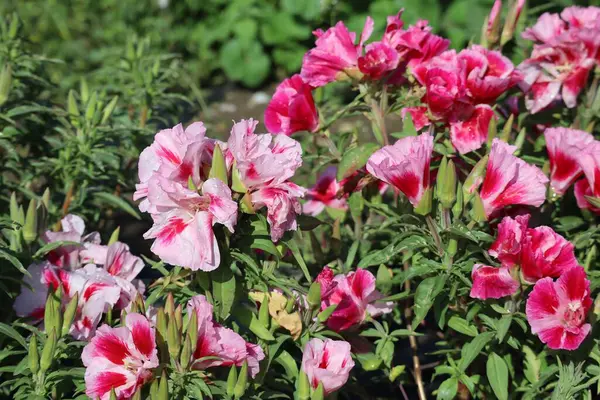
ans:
(565, 51)
(556, 311)
(101, 277)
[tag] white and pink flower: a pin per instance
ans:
(507, 246)
(327, 362)
(324, 194)
(557, 310)
(405, 165)
(120, 359)
(492, 283)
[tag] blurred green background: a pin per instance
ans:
(249, 42)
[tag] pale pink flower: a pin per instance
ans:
(545, 253)
(405, 165)
(582, 17)
(282, 205)
(324, 194)
(379, 60)
(510, 180)
(492, 283)
(215, 340)
(546, 30)
(507, 246)
(564, 147)
(589, 161)
(557, 311)
(120, 358)
(292, 108)
(355, 296)
(327, 362)
(334, 55)
(69, 257)
(182, 228)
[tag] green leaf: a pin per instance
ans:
(247, 318)
(42, 251)
(471, 350)
(462, 326)
(497, 374)
(355, 159)
(448, 389)
(386, 254)
(293, 246)
(502, 327)
(11, 332)
(116, 201)
(245, 62)
(223, 290)
(14, 261)
(425, 295)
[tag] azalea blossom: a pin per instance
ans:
(355, 296)
(564, 147)
(509, 180)
(328, 362)
(492, 283)
(545, 253)
(183, 230)
(557, 310)
(507, 246)
(220, 346)
(292, 108)
(120, 358)
(324, 194)
(335, 54)
(405, 165)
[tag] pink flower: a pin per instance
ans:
(292, 108)
(215, 340)
(492, 283)
(378, 61)
(327, 362)
(417, 44)
(507, 246)
(282, 205)
(564, 147)
(546, 30)
(471, 133)
(182, 227)
(405, 165)
(510, 180)
(582, 17)
(324, 194)
(494, 16)
(557, 310)
(355, 296)
(73, 228)
(545, 253)
(582, 189)
(589, 161)
(335, 54)
(418, 115)
(120, 358)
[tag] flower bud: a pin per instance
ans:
(236, 181)
(114, 236)
(519, 141)
(319, 393)
(173, 338)
(507, 129)
(240, 386)
(30, 230)
(231, 380)
(34, 355)
(91, 107)
(446, 183)
(14, 26)
(179, 319)
(218, 168)
(14, 208)
(474, 179)
(457, 209)
(154, 390)
(263, 311)
(478, 211)
(492, 31)
(5, 83)
(69, 315)
(163, 387)
(302, 386)
(192, 330)
(161, 322)
(186, 352)
(52, 311)
(424, 206)
(314, 295)
(48, 351)
(169, 304)
(511, 21)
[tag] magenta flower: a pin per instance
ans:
(545, 253)
(507, 246)
(182, 227)
(418, 115)
(471, 133)
(510, 180)
(220, 346)
(292, 108)
(589, 161)
(564, 146)
(379, 60)
(494, 16)
(120, 358)
(324, 194)
(335, 54)
(355, 296)
(557, 310)
(582, 189)
(492, 283)
(405, 165)
(327, 362)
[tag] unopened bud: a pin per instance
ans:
(446, 183)
(474, 179)
(108, 110)
(507, 129)
(192, 330)
(48, 352)
(163, 387)
(424, 206)
(30, 230)
(236, 180)
(173, 338)
(70, 313)
(5, 83)
(492, 32)
(91, 107)
(186, 352)
(457, 209)
(34, 355)
(218, 168)
(231, 380)
(169, 304)
(511, 21)
(314, 295)
(14, 208)
(263, 311)
(72, 106)
(240, 386)
(52, 312)
(478, 210)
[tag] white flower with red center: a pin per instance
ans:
(327, 362)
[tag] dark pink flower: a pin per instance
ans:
(405, 165)
(545, 253)
(355, 296)
(379, 60)
(507, 246)
(418, 115)
(292, 108)
(492, 283)
(582, 189)
(557, 311)
(120, 358)
(324, 194)
(564, 147)
(417, 44)
(327, 362)
(334, 55)
(510, 180)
